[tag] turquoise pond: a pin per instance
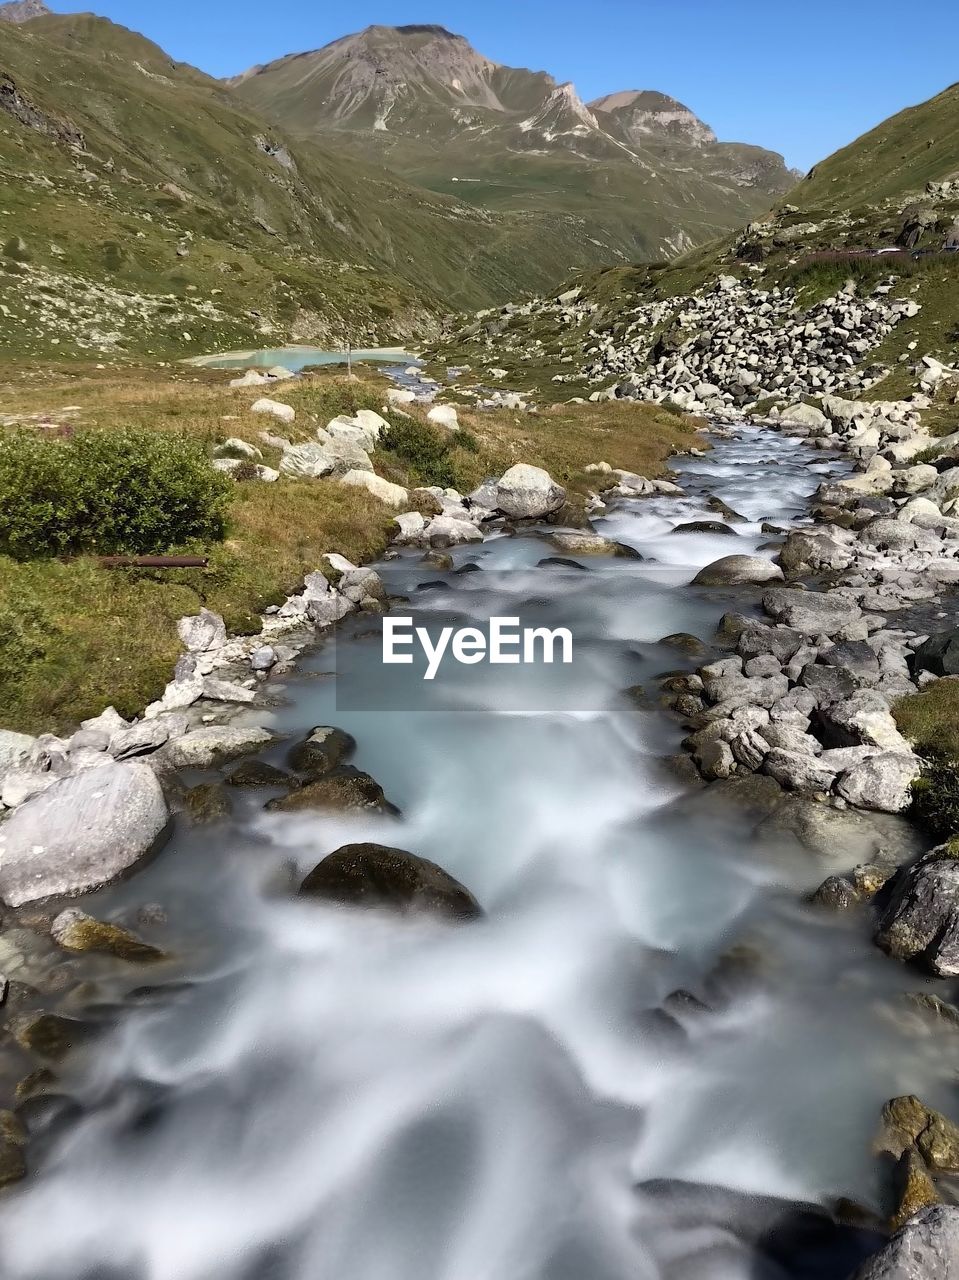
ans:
(297, 358)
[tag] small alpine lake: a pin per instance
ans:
(297, 358)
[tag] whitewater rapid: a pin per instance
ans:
(333, 1095)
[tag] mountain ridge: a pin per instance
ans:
(647, 177)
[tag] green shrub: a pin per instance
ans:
(422, 449)
(935, 798)
(132, 492)
(461, 439)
(23, 635)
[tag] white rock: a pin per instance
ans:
(282, 412)
(249, 379)
(202, 632)
(307, 461)
(444, 415)
(394, 495)
(528, 493)
(81, 833)
(411, 525)
(234, 447)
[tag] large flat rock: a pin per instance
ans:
(81, 833)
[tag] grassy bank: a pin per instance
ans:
(74, 637)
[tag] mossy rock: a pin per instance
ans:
(48, 1034)
(207, 803)
(914, 1188)
(722, 508)
(75, 931)
(426, 503)
(685, 643)
(257, 773)
(438, 560)
(324, 750)
(375, 875)
(34, 1084)
(946, 1015)
(836, 894)
(347, 789)
(13, 1139)
(907, 1122)
(706, 526)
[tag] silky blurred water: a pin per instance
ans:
(343, 1096)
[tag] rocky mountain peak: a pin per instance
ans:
(23, 10)
(644, 113)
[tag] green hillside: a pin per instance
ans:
(898, 157)
(146, 210)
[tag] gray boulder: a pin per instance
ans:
(811, 553)
(202, 632)
(528, 493)
(17, 751)
(921, 921)
(140, 739)
(733, 571)
(881, 782)
(307, 461)
(939, 654)
(757, 640)
(926, 1248)
(862, 719)
(215, 744)
(811, 612)
(81, 833)
(798, 770)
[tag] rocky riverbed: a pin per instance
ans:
(634, 1027)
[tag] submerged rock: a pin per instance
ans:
(733, 571)
(322, 751)
(74, 930)
(48, 1034)
(257, 773)
(81, 833)
(592, 544)
(344, 790)
(207, 802)
(13, 1140)
(375, 875)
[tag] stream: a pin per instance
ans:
(323, 1094)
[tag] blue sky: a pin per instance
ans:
(800, 78)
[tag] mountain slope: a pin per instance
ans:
(171, 217)
(919, 145)
(22, 10)
(865, 236)
(640, 172)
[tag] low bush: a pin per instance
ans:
(935, 798)
(423, 450)
(126, 491)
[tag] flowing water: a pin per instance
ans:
(338, 1095)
